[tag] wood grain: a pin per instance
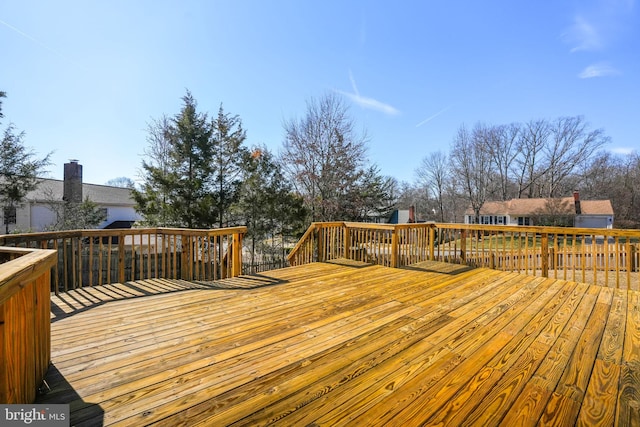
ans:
(345, 343)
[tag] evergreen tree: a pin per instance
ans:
(19, 170)
(372, 197)
(177, 193)
(193, 169)
(227, 139)
(268, 206)
(72, 215)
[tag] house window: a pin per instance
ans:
(524, 220)
(500, 220)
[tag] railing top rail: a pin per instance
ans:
(14, 273)
(620, 232)
(302, 240)
(369, 225)
(54, 235)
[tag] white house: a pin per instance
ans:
(36, 215)
(584, 213)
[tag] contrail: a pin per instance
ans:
(353, 83)
(27, 36)
(363, 101)
(428, 119)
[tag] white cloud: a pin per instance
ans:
(370, 103)
(583, 36)
(598, 70)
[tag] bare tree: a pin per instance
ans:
(472, 164)
(570, 144)
(324, 156)
(158, 151)
(503, 147)
(433, 173)
(155, 169)
(121, 181)
(533, 139)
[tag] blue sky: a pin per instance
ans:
(83, 78)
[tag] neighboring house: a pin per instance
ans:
(36, 215)
(579, 213)
(402, 216)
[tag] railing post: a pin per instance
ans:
(185, 265)
(321, 244)
(463, 245)
(394, 248)
(347, 242)
(544, 253)
(432, 243)
(121, 257)
(236, 256)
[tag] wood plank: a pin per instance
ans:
(541, 312)
(428, 368)
(336, 344)
(497, 402)
(495, 335)
(531, 403)
(599, 406)
(628, 408)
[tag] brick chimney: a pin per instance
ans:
(72, 186)
(576, 201)
(412, 214)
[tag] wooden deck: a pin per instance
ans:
(337, 344)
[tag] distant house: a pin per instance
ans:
(402, 216)
(36, 215)
(567, 211)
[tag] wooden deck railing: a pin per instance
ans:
(25, 333)
(94, 257)
(609, 257)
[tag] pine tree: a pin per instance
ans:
(177, 193)
(268, 206)
(19, 171)
(193, 169)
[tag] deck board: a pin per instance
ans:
(348, 344)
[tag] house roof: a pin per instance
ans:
(49, 189)
(524, 207)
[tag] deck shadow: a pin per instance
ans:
(253, 281)
(57, 390)
(350, 263)
(76, 301)
(439, 267)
